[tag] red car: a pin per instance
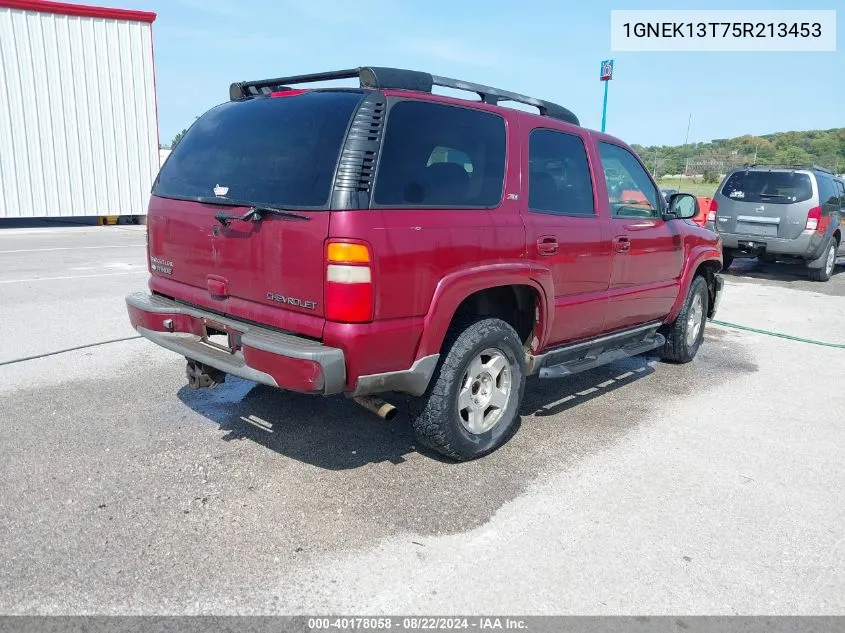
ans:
(382, 238)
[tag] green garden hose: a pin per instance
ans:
(778, 334)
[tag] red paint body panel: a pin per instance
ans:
(375, 348)
(155, 321)
(461, 284)
(293, 374)
(425, 262)
(278, 256)
(703, 209)
(86, 11)
(700, 245)
(306, 324)
(579, 270)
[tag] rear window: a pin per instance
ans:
(437, 155)
(777, 187)
(277, 151)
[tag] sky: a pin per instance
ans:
(545, 49)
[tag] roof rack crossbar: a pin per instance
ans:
(244, 89)
(381, 78)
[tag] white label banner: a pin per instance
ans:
(722, 30)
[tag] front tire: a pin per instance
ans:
(827, 261)
(684, 336)
(472, 404)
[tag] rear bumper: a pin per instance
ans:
(808, 245)
(260, 354)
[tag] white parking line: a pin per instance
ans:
(17, 281)
(72, 248)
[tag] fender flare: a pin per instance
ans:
(454, 288)
(697, 256)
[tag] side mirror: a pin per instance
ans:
(682, 206)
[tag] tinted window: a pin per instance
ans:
(828, 194)
(558, 175)
(777, 187)
(280, 151)
(631, 191)
(437, 155)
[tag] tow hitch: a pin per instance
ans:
(202, 376)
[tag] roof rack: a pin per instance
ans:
(380, 78)
(784, 166)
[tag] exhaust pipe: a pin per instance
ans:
(382, 409)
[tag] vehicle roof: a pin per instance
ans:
(810, 169)
(384, 78)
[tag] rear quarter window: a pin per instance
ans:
(558, 174)
(828, 194)
(438, 155)
(775, 187)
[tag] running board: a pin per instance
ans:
(587, 354)
(591, 362)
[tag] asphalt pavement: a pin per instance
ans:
(637, 488)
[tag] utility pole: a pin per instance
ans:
(686, 142)
(755, 152)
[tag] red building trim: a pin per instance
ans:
(45, 6)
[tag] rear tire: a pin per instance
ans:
(827, 261)
(684, 336)
(472, 403)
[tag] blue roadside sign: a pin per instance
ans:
(607, 70)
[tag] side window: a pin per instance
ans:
(558, 175)
(437, 155)
(631, 192)
(828, 194)
(842, 194)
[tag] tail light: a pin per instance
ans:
(349, 283)
(814, 220)
(711, 214)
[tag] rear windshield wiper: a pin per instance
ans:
(255, 213)
(772, 195)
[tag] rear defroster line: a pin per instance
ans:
(69, 349)
(778, 334)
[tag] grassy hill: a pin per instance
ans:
(709, 160)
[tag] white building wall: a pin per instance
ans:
(78, 129)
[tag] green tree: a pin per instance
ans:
(177, 138)
(822, 147)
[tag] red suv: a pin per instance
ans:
(386, 239)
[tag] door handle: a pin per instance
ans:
(547, 245)
(622, 244)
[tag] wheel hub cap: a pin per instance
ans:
(695, 319)
(831, 260)
(485, 391)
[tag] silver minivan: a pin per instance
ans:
(781, 212)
